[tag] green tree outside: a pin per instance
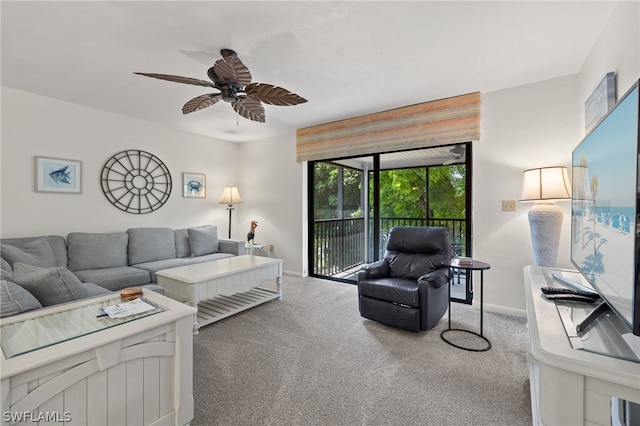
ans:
(403, 192)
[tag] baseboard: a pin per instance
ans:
(293, 274)
(504, 310)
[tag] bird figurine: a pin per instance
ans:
(252, 232)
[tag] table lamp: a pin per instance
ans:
(545, 185)
(230, 196)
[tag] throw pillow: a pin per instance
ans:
(203, 240)
(50, 285)
(183, 249)
(36, 252)
(15, 299)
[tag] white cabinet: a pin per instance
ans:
(571, 383)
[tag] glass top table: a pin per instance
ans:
(21, 337)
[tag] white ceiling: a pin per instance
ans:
(347, 58)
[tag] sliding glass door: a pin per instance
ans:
(337, 245)
(355, 202)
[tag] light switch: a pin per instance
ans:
(508, 205)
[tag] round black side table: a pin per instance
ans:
(476, 265)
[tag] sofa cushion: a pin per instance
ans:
(37, 252)
(154, 267)
(116, 278)
(97, 250)
(158, 265)
(149, 244)
(183, 248)
(95, 290)
(50, 285)
(15, 299)
(6, 273)
(203, 240)
(57, 243)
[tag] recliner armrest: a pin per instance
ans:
(379, 269)
(436, 278)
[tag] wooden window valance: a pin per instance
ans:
(442, 122)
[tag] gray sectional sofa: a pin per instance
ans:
(42, 271)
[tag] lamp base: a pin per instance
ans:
(545, 222)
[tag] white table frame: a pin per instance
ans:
(223, 287)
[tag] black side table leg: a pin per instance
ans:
(480, 335)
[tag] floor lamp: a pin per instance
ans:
(544, 186)
(230, 196)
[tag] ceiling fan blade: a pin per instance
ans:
(232, 68)
(250, 109)
(273, 95)
(201, 102)
(177, 79)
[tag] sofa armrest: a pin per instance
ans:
(379, 269)
(436, 278)
(235, 247)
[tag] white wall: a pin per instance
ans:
(35, 125)
(524, 127)
(271, 188)
(617, 49)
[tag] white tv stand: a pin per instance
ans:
(571, 385)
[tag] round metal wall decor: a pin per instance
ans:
(136, 181)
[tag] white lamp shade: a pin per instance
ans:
(230, 196)
(546, 183)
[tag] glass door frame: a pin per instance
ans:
(376, 214)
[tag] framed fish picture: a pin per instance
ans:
(194, 185)
(58, 175)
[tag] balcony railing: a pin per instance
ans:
(339, 244)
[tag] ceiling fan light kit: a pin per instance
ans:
(233, 79)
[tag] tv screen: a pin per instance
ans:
(604, 209)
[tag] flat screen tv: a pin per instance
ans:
(605, 207)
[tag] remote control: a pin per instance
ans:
(560, 290)
(570, 298)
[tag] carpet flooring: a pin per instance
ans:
(311, 359)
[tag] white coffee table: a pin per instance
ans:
(222, 287)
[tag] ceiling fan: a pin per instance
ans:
(233, 79)
(459, 154)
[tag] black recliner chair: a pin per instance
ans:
(408, 289)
